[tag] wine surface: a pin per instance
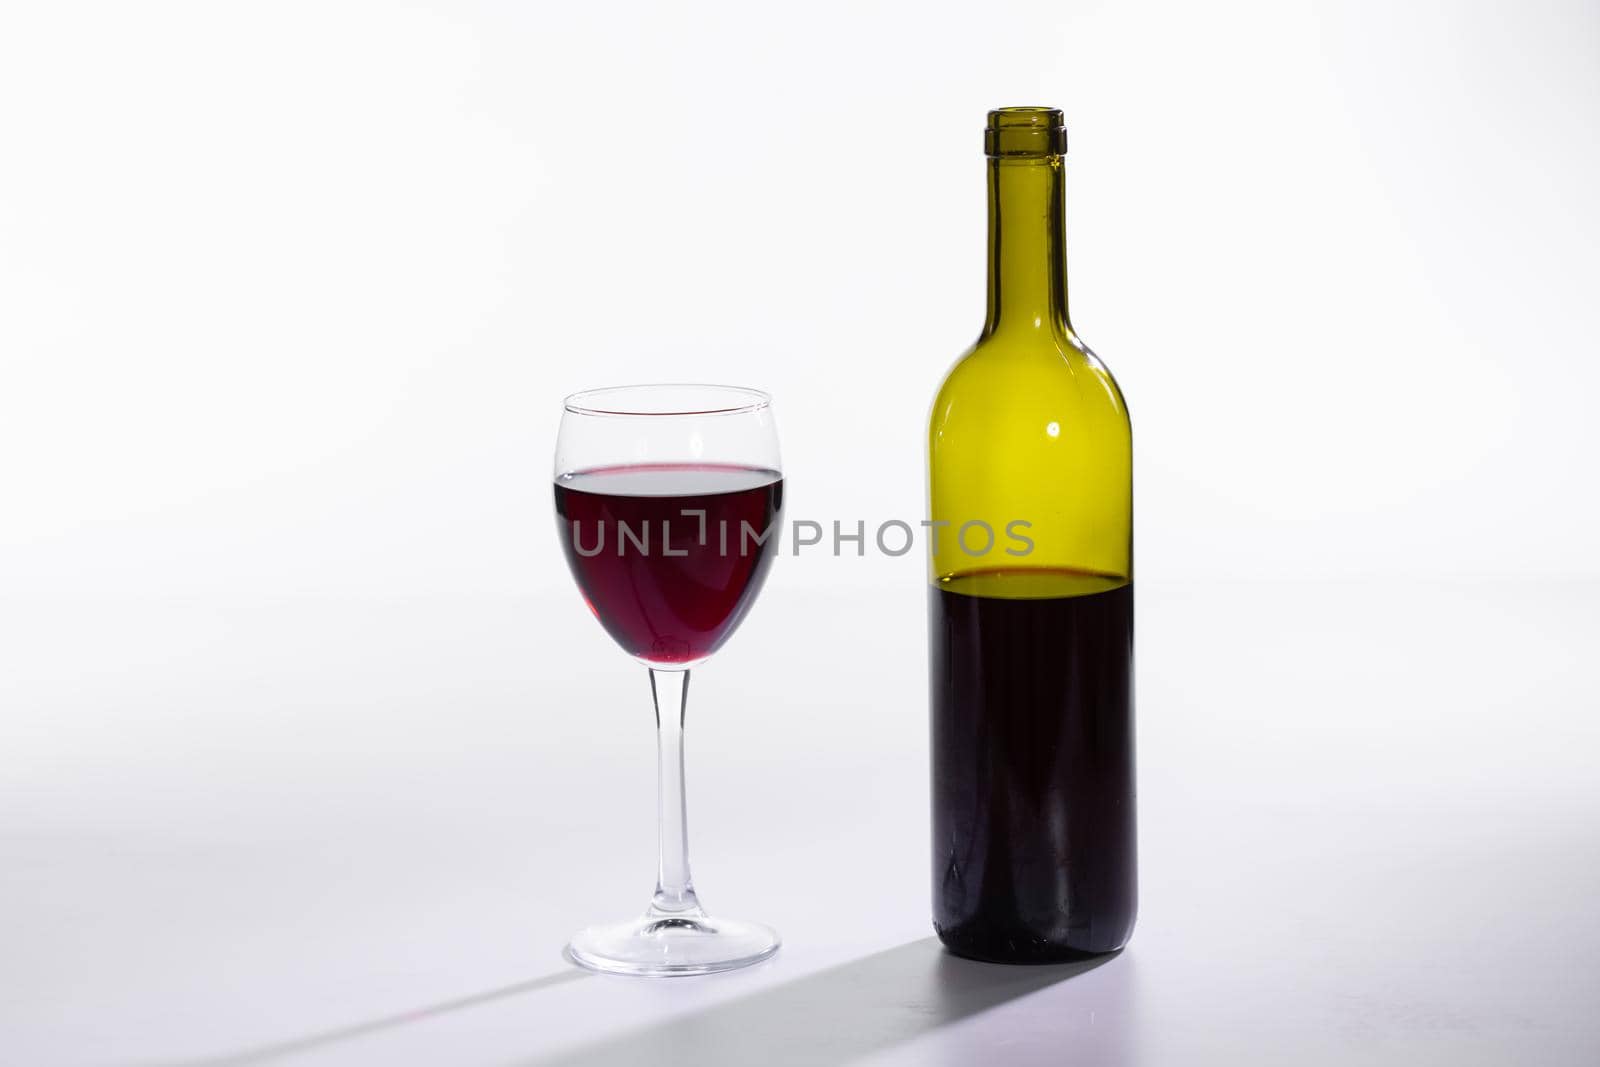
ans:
(1033, 786)
(666, 581)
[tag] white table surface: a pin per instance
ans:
(243, 830)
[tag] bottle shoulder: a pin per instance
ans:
(1040, 371)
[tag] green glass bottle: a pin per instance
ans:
(1030, 494)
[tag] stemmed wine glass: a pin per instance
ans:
(668, 500)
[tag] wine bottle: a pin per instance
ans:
(1030, 494)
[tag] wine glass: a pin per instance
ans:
(668, 500)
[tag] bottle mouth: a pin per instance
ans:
(1025, 133)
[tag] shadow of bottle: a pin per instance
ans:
(873, 1004)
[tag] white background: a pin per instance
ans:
(302, 726)
(292, 291)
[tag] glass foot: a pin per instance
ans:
(661, 944)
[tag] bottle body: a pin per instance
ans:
(1031, 639)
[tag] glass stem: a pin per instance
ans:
(674, 894)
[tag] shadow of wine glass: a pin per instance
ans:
(269, 1053)
(843, 1012)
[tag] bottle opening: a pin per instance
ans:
(1025, 133)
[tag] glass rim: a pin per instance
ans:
(606, 400)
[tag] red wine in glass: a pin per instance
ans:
(669, 557)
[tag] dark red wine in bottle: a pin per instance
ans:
(669, 557)
(1033, 774)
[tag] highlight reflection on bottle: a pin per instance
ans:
(1031, 658)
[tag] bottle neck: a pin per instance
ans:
(1027, 246)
